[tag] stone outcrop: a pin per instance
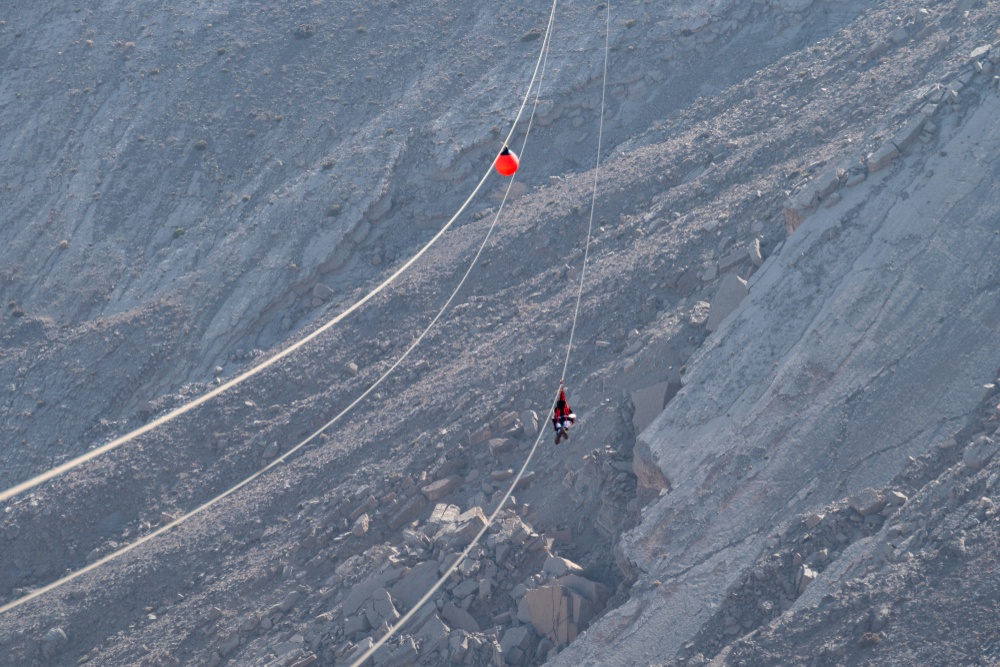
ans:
(801, 388)
(732, 289)
(562, 610)
(980, 452)
(648, 404)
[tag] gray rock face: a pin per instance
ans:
(458, 618)
(791, 5)
(112, 524)
(648, 403)
(53, 642)
(732, 290)
(802, 378)
(867, 501)
(323, 292)
(826, 183)
(882, 157)
(519, 637)
(557, 567)
(415, 583)
(980, 452)
(442, 487)
(772, 424)
(646, 468)
(909, 132)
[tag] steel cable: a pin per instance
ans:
(360, 660)
(212, 502)
(191, 405)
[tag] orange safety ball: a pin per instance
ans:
(507, 162)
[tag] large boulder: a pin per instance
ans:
(979, 452)
(867, 501)
(564, 609)
(458, 618)
(415, 583)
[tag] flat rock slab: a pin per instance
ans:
(504, 421)
(867, 501)
(733, 258)
(549, 611)
(434, 634)
(826, 183)
(732, 290)
(480, 435)
(593, 591)
(362, 592)
(465, 589)
(883, 157)
(909, 132)
(500, 446)
(444, 513)
(648, 403)
(556, 566)
(558, 612)
(529, 423)
(469, 524)
(442, 487)
(412, 586)
(519, 637)
(458, 618)
(408, 511)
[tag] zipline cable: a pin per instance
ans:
(569, 347)
(187, 407)
(201, 508)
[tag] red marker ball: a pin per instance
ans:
(506, 163)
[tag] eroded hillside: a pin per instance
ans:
(191, 187)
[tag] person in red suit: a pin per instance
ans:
(562, 417)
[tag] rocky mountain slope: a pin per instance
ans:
(795, 254)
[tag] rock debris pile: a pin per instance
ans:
(511, 602)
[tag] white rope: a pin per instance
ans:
(187, 407)
(541, 431)
(201, 508)
(593, 197)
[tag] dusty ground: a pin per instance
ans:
(335, 142)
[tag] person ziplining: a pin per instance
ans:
(562, 416)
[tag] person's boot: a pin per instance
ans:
(558, 436)
(565, 433)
